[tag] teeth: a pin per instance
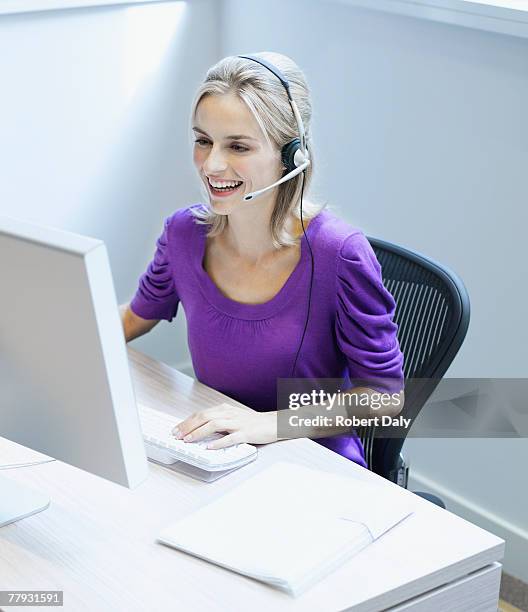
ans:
(221, 184)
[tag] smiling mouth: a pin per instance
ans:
(228, 188)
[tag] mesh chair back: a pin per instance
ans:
(432, 314)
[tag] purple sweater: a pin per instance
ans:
(242, 349)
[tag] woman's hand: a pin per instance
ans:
(241, 425)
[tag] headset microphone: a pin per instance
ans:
(287, 177)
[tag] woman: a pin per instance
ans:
(256, 309)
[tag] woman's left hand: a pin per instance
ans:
(241, 425)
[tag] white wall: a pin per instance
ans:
(94, 109)
(421, 138)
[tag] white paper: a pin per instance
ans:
(289, 525)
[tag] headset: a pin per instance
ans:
(294, 154)
(295, 158)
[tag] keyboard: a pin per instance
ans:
(162, 446)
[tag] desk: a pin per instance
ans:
(96, 541)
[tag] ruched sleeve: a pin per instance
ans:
(156, 296)
(365, 330)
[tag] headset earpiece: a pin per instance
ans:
(288, 154)
(289, 159)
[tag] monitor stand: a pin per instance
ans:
(19, 501)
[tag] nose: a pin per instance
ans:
(215, 163)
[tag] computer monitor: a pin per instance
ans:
(65, 385)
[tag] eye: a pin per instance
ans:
(201, 142)
(239, 148)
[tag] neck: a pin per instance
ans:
(248, 232)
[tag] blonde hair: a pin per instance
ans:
(266, 98)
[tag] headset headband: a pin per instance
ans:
(271, 68)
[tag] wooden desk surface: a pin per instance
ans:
(96, 541)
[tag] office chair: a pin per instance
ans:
(432, 313)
